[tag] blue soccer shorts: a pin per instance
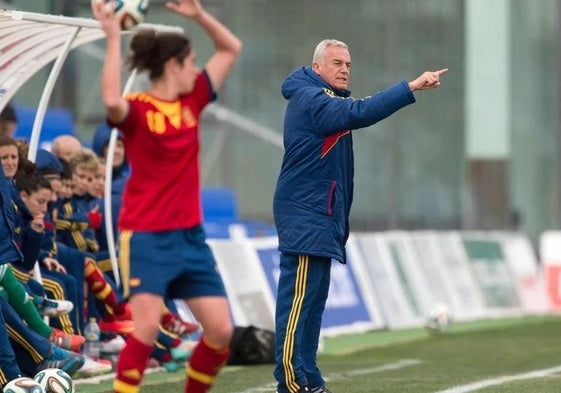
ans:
(175, 264)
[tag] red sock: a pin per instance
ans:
(205, 363)
(100, 288)
(131, 366)
(166, 317)
(166, 357)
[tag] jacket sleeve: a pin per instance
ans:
(48, 245)
(70, 220)
(31, 247)
(331, 113)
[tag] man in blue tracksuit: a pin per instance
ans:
(313, 198)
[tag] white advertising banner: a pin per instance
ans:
(448, 274)
(250, 297)
(396, 300)
(521, 257)
(414, 281)
(461, 276)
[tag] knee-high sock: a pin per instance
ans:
(98, 285)
(22, 303)
(164, 342)
(131, 366)
(204, 365)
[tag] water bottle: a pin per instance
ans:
(93, 344)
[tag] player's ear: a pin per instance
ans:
(173, 65)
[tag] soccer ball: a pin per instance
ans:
(438, 319)
(22, 385)
(133, 11)
(55, 380)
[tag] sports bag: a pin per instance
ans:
(252, 345)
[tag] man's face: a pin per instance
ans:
(335, 67)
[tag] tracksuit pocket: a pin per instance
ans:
(331, 198)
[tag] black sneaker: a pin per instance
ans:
(67, 361)
(304, 389)
(320, 389)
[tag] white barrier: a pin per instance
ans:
(528, 276)
(251, 298)
(396, 299)
(393, 278)
(453, 282)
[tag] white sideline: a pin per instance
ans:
(500, 380)
(331, 377)
(106, 377)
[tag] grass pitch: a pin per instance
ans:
(521, 355)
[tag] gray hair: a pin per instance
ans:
(319, 53)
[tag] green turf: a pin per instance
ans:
(422, 362)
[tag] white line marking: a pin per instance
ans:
(500, 380)
(332, 377)
(173, 376)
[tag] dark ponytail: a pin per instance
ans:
(151, 50)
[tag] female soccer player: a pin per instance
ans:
(163, 250)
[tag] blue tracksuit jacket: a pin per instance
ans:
(314, 191)
(9, 251)
(120, 176)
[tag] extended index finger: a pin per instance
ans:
(442, 71)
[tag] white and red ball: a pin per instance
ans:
(55, 380)
(22, 385)
(133, 11)
(438, 319)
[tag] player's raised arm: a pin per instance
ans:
(111, 95)
(227, 45)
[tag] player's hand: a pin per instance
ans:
(105, 14)
(95, 218)
(428, 80)
(52, 264)
(187, 8)
(38, 223)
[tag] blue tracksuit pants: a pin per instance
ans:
(301, 297)
(29, 347)
(8, 365)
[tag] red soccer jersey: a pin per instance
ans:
(161, 141)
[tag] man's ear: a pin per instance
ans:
(315, 67)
